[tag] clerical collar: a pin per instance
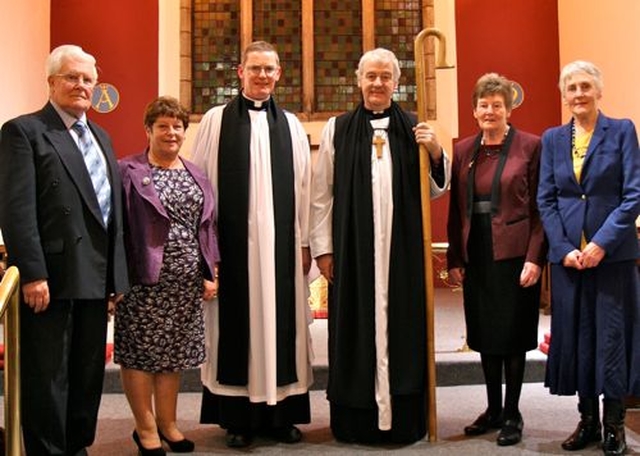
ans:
(256, 105)
(378, 114)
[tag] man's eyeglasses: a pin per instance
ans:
(77, 79)
(256, 70)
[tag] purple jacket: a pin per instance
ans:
(147, 223)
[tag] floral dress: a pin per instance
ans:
(160, 327)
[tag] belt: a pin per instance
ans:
(482, 207)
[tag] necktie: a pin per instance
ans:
(96, 167)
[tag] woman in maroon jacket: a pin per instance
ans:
(496, 250)
(172, 254)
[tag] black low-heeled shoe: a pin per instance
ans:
(483, 423)
(511, 432)
(178, 446)
(147, 451)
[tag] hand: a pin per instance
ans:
(592, 255)
(210, 289)
(113, 301)
(36, 295)
(426, 136)
(530, 274)
(456, 276)
(325, 265)
(572, 260)
(306, 260)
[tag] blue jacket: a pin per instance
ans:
(604, 204)
(147, 223)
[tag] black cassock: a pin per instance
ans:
(352, 346)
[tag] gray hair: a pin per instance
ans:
(380, 55)
(65, 52)
(580, 66)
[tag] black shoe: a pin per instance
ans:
(614, 440)
(147, 451)
(287, 434)
(511, 432)
(483, 423)
(584, 434)
(178, 446)
(235, 439)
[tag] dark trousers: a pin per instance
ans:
(62, 354)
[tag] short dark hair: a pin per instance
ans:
(165, 106)
(259, 46)
(493, 84)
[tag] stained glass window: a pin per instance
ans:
(215, 51)
(279, 23)
(397, 22)
(338, 47)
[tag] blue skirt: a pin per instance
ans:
(595, 333)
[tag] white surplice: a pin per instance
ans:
(262, 384)
(321, 240)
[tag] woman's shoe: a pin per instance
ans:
(147, 451)
(178, 446)
(511, 432)
(483, 423)
(585, 433)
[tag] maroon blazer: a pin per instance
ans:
(516, 227)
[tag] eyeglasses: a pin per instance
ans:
(256, 70)
(384, 77)
(77, 79)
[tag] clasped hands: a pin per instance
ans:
(589, 257)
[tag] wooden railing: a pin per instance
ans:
(9, 312)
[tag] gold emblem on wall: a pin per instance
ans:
(105, 98)
(518, 94)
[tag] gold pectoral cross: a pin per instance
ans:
(378, 141)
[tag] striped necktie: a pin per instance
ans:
(96, 167)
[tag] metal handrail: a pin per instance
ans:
(10, 314)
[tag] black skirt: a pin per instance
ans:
(501, 316)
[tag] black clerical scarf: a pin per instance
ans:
(352, 303)
(233, 208)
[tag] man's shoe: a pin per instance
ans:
(511, 432)
(287, 434)
(237, 439)
(483, 423)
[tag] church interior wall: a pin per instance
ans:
(137, 47)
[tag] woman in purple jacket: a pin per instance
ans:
(172, 254)
(496, 250)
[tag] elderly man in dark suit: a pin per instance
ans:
(60, 215)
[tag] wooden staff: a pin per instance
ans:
(425, 193)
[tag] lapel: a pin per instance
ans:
(142, 181)
(204, 184)
(71, 158)
(598, 136)
(563, 151)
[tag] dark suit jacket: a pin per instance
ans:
(148, 224)
(605, 203)
(49, 214)
(516, 228)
